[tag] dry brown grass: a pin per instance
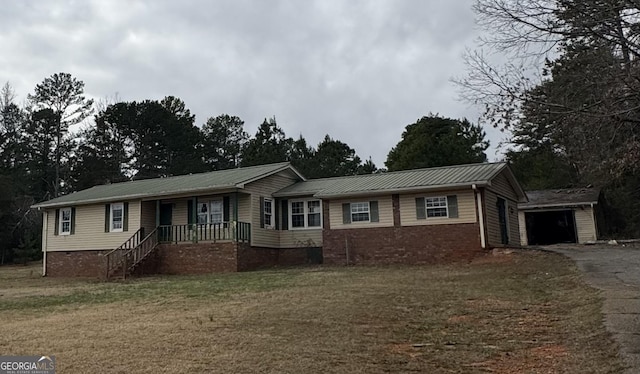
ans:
(525, 312)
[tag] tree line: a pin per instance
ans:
(569, 94)
(42, 157)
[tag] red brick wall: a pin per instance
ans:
(76, 264)
(149, 266)
(197, 258)
(402, 245)
(252, 258)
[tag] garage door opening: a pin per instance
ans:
(553, 227)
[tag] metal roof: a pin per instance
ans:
(192, 183)
(561, 197)
(399, 181)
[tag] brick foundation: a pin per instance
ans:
(252, 258)
(197, 258)
(402, 245)
(76, 264)
(185, 258)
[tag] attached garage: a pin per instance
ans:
(559, 216)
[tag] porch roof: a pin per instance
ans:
(160, 187)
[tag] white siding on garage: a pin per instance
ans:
(523, 228)
(585, 224)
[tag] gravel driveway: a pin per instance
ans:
(615, 270)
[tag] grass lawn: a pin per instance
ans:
(525, 312)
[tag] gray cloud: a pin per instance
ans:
(357, 70)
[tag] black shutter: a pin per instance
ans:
(190, 212)
(346, 213)
(107, 217)
(285, 214)
(56, 229)
(276, 213)
(73, 221)
(261, 212)
(421, 211)
(125, 217)
(373, 211)
(226, 209)
(452, 204)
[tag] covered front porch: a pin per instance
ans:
(194, 233)
(212, 218)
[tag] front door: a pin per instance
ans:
(166, 214)
(502, 217)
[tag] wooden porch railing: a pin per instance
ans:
(235, 231)
(115, 257)
(131, 252)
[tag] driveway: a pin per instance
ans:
(615, 270)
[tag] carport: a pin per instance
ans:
(559, 216)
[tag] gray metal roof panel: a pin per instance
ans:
(449, 176)
(215, 180)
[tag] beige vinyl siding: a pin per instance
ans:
(89, 230)
(523, 228)
(179, 211)
(466, 209)
(244, 208)
(494, 238)
(385, 213)
(263, 237)
(585, 224)
(148, 216)
(301, 238)
(501, 186)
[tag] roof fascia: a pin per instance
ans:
(174, 194)
(443, 187)
(544, 206)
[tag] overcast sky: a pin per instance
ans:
(359, 71)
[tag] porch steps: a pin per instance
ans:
(131, 254)
(132, 267)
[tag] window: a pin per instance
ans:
(65, 221)
(436, 207)
(215, 215)
(297, 214)
(203, 213)
(360, 212)
(210, 212)
(314, 213)
(268, 212)
(117, 217)
(306, 214)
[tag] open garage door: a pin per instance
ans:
(551, 227)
